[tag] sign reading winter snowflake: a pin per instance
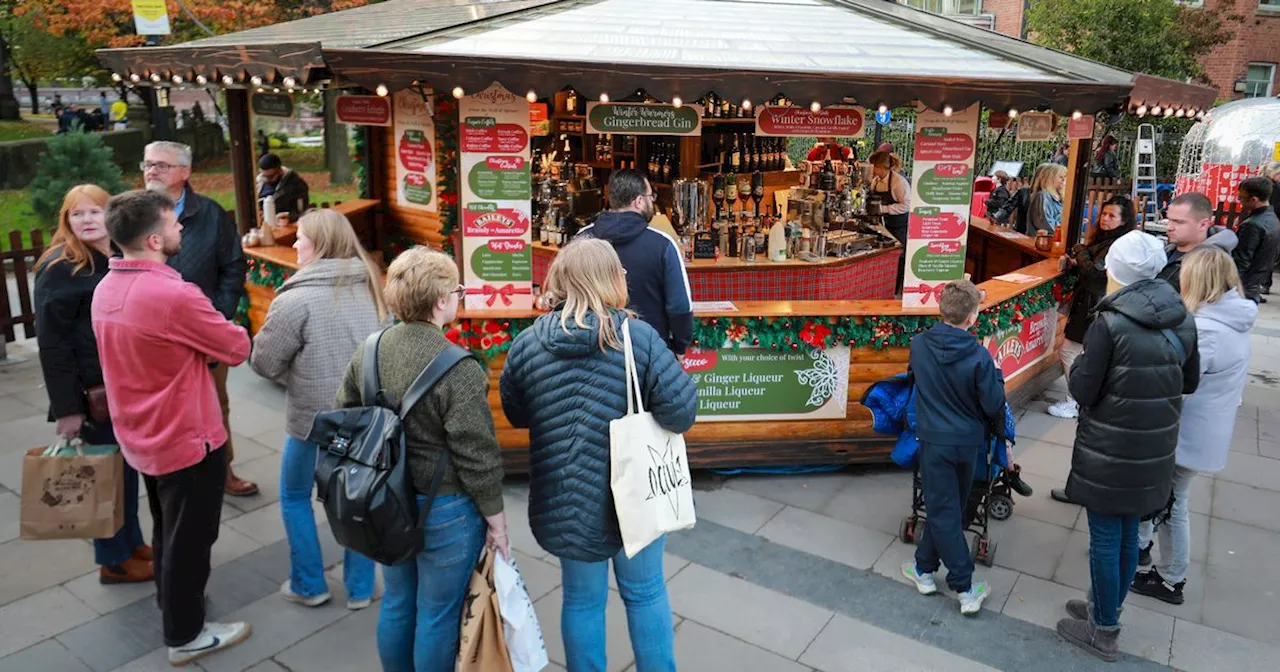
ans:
(765, 384)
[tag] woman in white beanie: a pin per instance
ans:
(1139, 359)
(1212, 292)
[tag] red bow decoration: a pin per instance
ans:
(934, 292)
(506, 292)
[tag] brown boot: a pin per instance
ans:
(1101, 642)
(238, 487)
(143, 552)
(132, 570)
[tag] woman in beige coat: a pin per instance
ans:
(316, 321)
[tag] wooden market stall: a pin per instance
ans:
(454, 157)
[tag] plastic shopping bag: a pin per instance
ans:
(520, 622)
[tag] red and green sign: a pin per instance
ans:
(834, 122)
(487, 219)
(761, 384)
(503, 259)
(485, 134)
(364, 110)
(501, 178)
(417, 189)
(1024, 343)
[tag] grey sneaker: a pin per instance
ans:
(357, 605)
(971, 600)
(286, 591)
(924, 582)
(213, 638)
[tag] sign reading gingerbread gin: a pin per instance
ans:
(765, 384)
(496, 253)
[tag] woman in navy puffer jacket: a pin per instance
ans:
(565, 380)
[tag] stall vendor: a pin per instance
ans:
(283, 185)
(895, 198)
(828, 149)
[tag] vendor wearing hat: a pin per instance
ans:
(828, 149)
(1140, 356)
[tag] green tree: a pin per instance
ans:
(1156, 37)
(71, 159)
(36, 55)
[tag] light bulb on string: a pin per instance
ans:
(458, 92)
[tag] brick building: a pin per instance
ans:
(1247, 66)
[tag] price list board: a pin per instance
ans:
(415, 134)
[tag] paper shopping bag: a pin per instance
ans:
(72, 492)
(650, 480)
(519, 620)
(482, 646)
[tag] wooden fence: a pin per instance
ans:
(23, 261)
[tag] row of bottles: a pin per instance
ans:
(555, 227)
(715, 107)
(747, 240)
(664, 160)
(743, 152)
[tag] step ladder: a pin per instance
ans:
(1144, 177)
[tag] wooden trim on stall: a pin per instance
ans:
(242, 166)
(1079, 162)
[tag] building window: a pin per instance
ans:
(1269, 5)
(1196, 3)
(947, 7)
(1258, 80)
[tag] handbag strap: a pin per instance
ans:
(635, 400)
(440, 365)
(1176, 343)
(370, 385)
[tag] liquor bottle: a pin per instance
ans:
(735, 159)
(571, 103)
(653, 161)
(730, 192)
(724, 109)
(749, 244)
(674, 162)
(827, 178)
(717, 192)
(726, 155)
(666, 167)
(757, 190)
(732, 247)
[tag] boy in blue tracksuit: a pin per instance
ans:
(959, 397)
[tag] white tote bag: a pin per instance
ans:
(652, 488)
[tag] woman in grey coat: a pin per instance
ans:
(316, 321)
(1212, 293)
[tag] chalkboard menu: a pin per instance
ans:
(704, 245)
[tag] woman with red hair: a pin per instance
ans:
(66, 275)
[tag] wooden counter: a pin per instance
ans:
(996, 250)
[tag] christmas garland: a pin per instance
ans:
(242, 312)
(487, 338)
(358, 157)
(266, 274)
(446, 120)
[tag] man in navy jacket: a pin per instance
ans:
(959, 398)
(657, 284)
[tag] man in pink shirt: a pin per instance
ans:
(156, 335)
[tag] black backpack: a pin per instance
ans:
(362, 470)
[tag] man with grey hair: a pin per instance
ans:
(211, 258)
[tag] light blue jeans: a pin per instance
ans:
(582, 616)
(306, 566)
(1175, 534)
(422, 611)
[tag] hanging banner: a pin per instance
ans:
(1080, 129)
(539, 123)
(364, 110)
(496, 187)
(150, 17)
(1036, 126)
(644, 119)
(415, 134)
(738, 383)
(272, 104)
(828, 122)
(941, 190)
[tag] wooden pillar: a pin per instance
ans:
(1073, 201)
(242, 171)
(336, 156)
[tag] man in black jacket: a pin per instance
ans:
(1140, 356)
(657, 284)
(1191, 226)
(284, 186)
(1259, 236)
(211, 258)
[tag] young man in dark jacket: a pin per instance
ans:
(657, 284)
(1140, 356)
(211, 258)
(1259, 236)
(284, 186)
(959, 399)
(1191, 226)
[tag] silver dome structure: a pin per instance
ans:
(1242, 134)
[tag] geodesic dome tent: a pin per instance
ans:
(1227, 146)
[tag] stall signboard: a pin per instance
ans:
(765, 384)
(415, 137)
(644, 119)
(827, 122)
(1018, 347)
(272, 104)
(150, 17)
(539, 124)
(497, 253)
(941, 190)
(1080, 129)
(1275, 153)
(364, 110)
(1036, 126)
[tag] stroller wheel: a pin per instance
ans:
(983, 550)
(907, 530)
(1000, 507)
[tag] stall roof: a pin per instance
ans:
(872, 51)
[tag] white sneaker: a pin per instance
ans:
(213, 638)
(1067, 408)
(286, 591)
(357, 605)
(971, 600)
(924, 582)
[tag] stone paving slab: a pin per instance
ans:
(706, 650)
(846, 645)
(735, 509)
(843, 542)
(47, 656)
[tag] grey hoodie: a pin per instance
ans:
(1209, 415)
(1219, 237)
(316, 321)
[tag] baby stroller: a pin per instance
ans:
(892, 405)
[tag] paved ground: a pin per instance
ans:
(781, 573)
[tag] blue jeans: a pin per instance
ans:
(112, 551)
(582, 619)
(306, 573)
(422, 610)
(946, 476)
(1175, 533)
(1113, 561)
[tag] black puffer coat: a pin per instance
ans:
(1129, 382)
(566, 390)
(64, 332)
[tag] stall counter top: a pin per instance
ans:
(276, 254)
(1024, 243)
(760, 264)
(997, 291)
(356, 206)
